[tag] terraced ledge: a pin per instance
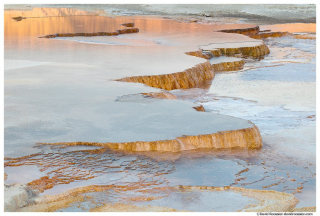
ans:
(267, 201)
(186, 79)
(51, 203)
(308, 37)
(189, 78)
(245, 31)
(262, 35)
(256, 33)
(229, 65)
(256, 49)
(198, 74)
(243, 138)
(117, 32)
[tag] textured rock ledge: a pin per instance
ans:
(229, 66)
(267, 200)
(186, 79)
(190, 78)
(242, 31)
(198, 74)
(243, 138)
(117, 32)
(51, 203)
(256, 33)
(262, 35)
(308, 37)
(246, 49)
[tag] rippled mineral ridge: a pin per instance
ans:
(62, 90)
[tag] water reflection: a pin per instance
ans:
(48, 12)
(24, 35)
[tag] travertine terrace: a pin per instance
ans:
(185, 71)
(265, 201)
(117, 32)
(187, 79)
(243, 138)
(110, 112)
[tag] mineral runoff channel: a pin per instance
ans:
(85, 76)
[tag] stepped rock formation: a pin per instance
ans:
(256, 33)
(256, 49)
(244, 31)
(190, 78)
(117, 32)
(262, 35)
(198, 74)
(229, 66)
(308, 37)
(243, 138)
(269, 201)
(266, 200)
(186, 79)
